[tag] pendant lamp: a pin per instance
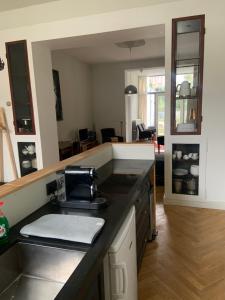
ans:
(131, 89)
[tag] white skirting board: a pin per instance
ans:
(196, 203)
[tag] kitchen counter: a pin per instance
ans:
(121, 190)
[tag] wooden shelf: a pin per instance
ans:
(186, 160)
(185, 177)
(187, 98)
(187, 62)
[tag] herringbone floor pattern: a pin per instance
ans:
(187, 260)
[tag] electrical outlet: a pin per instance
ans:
(61, 189)
(51, 187)
(60, 182)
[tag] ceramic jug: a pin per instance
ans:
(184, 89)
(30, 149)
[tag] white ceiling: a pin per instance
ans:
(100, 48)
(14, 4)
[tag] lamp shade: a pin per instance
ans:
(130, 89)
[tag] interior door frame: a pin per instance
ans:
(157, 94)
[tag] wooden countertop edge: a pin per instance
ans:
(19, 183)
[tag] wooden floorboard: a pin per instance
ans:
(187, 259)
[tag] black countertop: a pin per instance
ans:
(122, 191)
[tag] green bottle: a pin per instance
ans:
(4, 227)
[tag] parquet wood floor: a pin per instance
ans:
(187, 260)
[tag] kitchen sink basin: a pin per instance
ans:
(35, 272)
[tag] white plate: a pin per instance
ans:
(186, 127)
(180, 172)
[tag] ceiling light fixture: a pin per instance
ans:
(131, 89)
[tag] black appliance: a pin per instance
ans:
(81, 189)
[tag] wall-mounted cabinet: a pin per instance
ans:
(187, 74)
(27, 157)
(20, 87)
(185, 169)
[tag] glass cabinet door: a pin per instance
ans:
(19, 79)
(187, 75)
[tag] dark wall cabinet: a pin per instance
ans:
(20, 87)
(187, 74)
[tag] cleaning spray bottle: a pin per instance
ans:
(4, 227)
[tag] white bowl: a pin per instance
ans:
(180, 172)
(194, 170)
(26, 164)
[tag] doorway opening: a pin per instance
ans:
(148, 105)
(147, 108)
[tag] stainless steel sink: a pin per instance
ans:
(35, 272)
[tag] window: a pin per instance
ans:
(155, 84)
(152, 93)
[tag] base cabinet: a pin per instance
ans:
(95, 289)
(144, 229)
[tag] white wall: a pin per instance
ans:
(131, 113)
(131, 102)
(75, 84)
(46, 104)
(108, 92)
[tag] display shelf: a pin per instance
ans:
(185, 65)
(28, 171)
(189, 32)
(187, 98)
(181, 62)
(187, 184)
(27, 157)
(187, 72)
(190, 160)
(20, 87)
